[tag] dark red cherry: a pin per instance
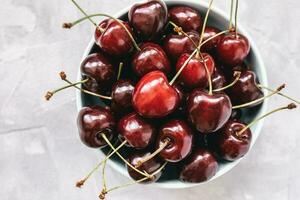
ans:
(91, 85)
(149, 166)
(148, 18)
(208, 112)
(180, 138)
(233, 49)
(92, 122)
(229, 144)
(175, 45)
(200, 166)
(98, 67)
(151, 57)
(218, 79)
(122, 93)
(186, 17)
(154, 97)
(136, 131)
(114, 40)
(211, 44)
(194, 73)
(245, 89)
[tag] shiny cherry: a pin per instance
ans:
(245, 89)
(151, 57)
(200, 166)
(154, 97)
(218, 79)
(148, 18)
(136, 131)
(228, 144)
(194, 73)
(180, 138)
(91, 85)
(114, 39)
(210, 45)
(149, 166)
(208, 112)
(177, 44)
(122, 94)
(233, 48)
(92, 122)
(186, 17)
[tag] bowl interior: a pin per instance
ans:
(217, 19)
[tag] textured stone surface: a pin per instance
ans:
(40, 154)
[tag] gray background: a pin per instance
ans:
(40, 153)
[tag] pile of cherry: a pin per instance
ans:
(175, 90)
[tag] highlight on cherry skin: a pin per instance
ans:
(160, 80)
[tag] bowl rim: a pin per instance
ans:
(263, 80)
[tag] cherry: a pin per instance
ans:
(180, 138)
(228, 144)
(186, 17)
(154, 97)
(112, 37)
(136, 131)
(233, 48)
(245, 89)
(199, 167)
(194, 73)
(149, 166)
(208, 112)
(218, 79)
(151, 57)
(148, 18)
(122, 94)
(177, 44)
(91, 84)
(94, 121)
(210, 45)
(100, 69)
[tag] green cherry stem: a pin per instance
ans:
(205, 21)
(179, 30)
(236, 14)
(237, 76)
(120, 70)
(210, 88)
(260, 99)
(279, 93)
(231, 15)
(288, 107)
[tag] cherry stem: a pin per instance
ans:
(236, 14)
(260, 99)
(162, 145)
(204, 23)
(288, 107)
(231, 15)
(237, 76)
(120, 70)
(279, 93)
(122, 158)
(49, 94)
(210, 88)
(111, 153)
(71, 24)
(212, 37)
(140, 180)
(63, 76)
(182, 68)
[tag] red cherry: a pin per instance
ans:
(218, 79)
(180, 138)
(150, 166)
(148, 18)
(114, 40)
(136, 131)
(121, 95)
(208, 112)
(230, 145)
(194, 74)
(151, 57)
(233, 48)
(153, 96)
(176, 45)
(92, 122)
(209, 32)
(186, 17)
(200, 166)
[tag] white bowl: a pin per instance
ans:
(220, 20)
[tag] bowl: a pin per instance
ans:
(220, 20)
